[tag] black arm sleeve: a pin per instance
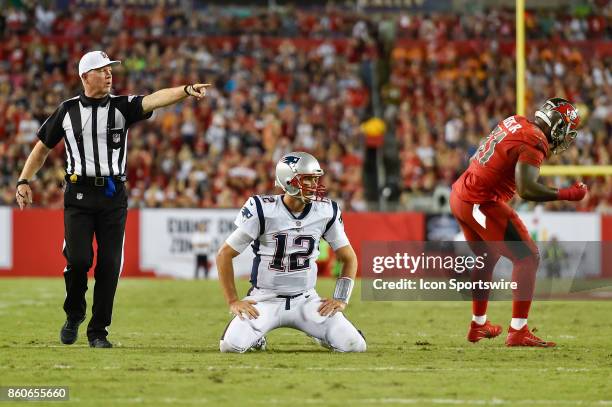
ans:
(52, 130)
(131, 107)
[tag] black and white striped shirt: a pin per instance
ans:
(94, 131)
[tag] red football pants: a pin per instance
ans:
(495, 228)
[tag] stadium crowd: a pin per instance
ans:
(443, 103)
(274, 95)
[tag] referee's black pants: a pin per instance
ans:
(88, 211)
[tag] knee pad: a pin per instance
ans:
(361, 345)
(357, 344)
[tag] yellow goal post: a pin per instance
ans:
(550, 170)
(576, 170)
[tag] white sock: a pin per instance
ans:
(480, 320)
(518, 323)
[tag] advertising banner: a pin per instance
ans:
(6, 237)
(167, 235)
(562, 226)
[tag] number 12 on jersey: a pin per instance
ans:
(297, 260)
(487, 147)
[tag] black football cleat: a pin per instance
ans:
(70, 331)
(100, 343)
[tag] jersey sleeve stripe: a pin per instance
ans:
(333, 219)
(256, 261)
(260, 215)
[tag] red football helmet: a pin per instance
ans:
(563, 119)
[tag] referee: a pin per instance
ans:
(94, 127)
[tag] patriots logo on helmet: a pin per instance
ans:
(291, 161)
(246, 213)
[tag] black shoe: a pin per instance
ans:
(100, 343)
(70, 331)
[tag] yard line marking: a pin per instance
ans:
(349, 369)
(369, 401)
(140, 400)
(494, 401)
(385, 348)
(399, 369)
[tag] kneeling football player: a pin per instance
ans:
(284, 232)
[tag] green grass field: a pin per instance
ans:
(166, 335)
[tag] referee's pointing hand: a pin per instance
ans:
(198, 90)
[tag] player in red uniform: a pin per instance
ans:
(508, 161)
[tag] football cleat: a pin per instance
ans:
(70, 331)
(260, 345)
(487, 330)
(525, 337)
(100, 343)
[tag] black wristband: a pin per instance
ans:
(23, 181)
(185, 90)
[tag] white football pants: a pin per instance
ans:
(336, 333)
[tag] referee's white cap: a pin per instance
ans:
(94, 60)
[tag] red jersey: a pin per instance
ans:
(490, 176)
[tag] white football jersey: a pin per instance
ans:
(286, 246)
